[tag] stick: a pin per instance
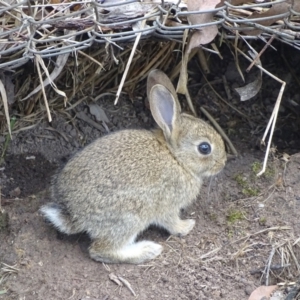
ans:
(38, 58)
(220, 130)
(274, 113)
(261, 52)
(129, 62)
(268, 266)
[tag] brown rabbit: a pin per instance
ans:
(123, 182)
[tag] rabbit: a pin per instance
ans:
(125, 181)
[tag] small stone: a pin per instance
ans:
(248, 290)
(69, 127)
(63, 142)
(15, 193)
(73, 132)
(216, 294)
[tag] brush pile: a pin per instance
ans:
(52, 50)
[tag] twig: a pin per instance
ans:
(120, 281)
(203, 61)
(272, 268)
(273, 120)
(262, 231)
(115, 279)
(214, 251)
(273, 117)
(8, 138)
(222, 99)
(92, 59)
(9, 269)
(220, 130)
(129, 62)
(226, 87)
(127, 284)
(260, 53)
(38, 58)
(5, 104)
(294, 256)
(268, 266)
(190, 103)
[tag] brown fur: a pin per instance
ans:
(123, 182)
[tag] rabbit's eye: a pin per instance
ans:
(204, 148)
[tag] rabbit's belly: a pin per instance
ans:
(107, 225)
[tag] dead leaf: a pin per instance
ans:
(84, 117)
(206, 34)
(98, 113)
(262, 291)
(276, 10)
(199, 37)
(251, 89)
(76, 7)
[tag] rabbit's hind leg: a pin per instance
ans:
(56, 215)
(131, 252)
(175, 225)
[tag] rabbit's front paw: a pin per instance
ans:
(184, 227)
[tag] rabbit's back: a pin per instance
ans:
(125, 172)
(120, 184)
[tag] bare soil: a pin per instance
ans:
(243, 222)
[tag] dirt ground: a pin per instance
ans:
(244, 223)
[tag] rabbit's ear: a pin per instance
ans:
(165, 110)
(158, 77)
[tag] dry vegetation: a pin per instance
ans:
(45, 86)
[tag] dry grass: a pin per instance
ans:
(6, 271)
(93, 72)
(109, 68)
(72, 78)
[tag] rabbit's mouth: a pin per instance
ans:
(218, 167)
